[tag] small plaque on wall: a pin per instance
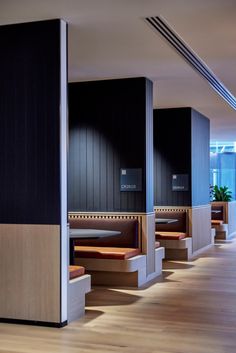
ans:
(180, 182)
(131, 179)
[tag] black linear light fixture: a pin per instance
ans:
(160, 25)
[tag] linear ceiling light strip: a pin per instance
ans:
(195, 61)
(159, 25)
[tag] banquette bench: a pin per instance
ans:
(217, 215)
(123, 246)
(173, 236)
(218, 221)
(79, 285)
(115, 260)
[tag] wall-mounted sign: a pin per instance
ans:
(131, 179)
(180, 182)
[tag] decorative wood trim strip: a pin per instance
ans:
(171, 209)
(110, 213)
(179, 208)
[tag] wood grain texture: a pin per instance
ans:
(77, 289)
(30, 272)
(148, 241)
(200, 227)
(191, 309)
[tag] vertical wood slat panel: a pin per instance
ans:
(114, 114)
(89, 169)
(149, 148)
(30, 125)
(172, 154)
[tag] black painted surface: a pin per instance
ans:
(181, 146)
(29, 119)
(107, 132)
(34, 323)
(172, 155)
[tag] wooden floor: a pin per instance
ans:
(192, 309)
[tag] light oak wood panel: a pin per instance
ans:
(77, 289)
(30, 272)
(148, 241)
(200, 227)
(231, 210)
(228, 229)
(191, 309)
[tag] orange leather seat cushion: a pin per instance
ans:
(170, 235)
(217, 222)
(105, 252)
(157, 244)
(76, 271)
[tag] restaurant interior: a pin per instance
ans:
(111, 239)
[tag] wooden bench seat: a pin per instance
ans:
(116, 260)
(76, 271)
(114, 253)
(170, 235)
(216, 222)
(173, 236)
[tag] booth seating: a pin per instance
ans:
(76, 271)
(174, 236)
(79, 285)
(115, 260)
(218, 221)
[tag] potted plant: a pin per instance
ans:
(221, 193)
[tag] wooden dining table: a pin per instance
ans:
(165, 220)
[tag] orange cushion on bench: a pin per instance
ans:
(105, 252)
(76, 271)
(170, 235)
(216, 222)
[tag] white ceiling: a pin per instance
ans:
(110, 39)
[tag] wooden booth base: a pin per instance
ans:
(77, 289)
(128, 273)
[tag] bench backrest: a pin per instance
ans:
(179, 226)
(217, 216)
(128, 227)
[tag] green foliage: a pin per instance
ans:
(221, 193)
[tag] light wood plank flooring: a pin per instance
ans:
(191, 309)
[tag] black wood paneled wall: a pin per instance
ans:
(181, 146)
(107, 132)
(172, 154)
(30, 125)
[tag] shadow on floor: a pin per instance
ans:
(102, 296)
(172, 265)
(91, 314)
